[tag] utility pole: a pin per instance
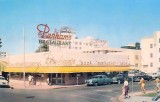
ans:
(0, 47)
(0, 43)
(24, 67)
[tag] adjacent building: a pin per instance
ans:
(150, 52)
(134, 53)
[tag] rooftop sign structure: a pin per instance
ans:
(56, 38)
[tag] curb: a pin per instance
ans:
(121, 99)
(43, 87)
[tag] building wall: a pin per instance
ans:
(132, 55)
(151, 53)
(147, 46)
(70, 58)
(81, 44)
(69, 80)
(157, 50)
(134, 58)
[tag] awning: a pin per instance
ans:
(67, 69)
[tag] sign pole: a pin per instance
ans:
(77, 79)
(24, 69)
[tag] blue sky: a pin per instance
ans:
(120, 22)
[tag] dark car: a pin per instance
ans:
(98, 80)
(120, 79)
(145, 77)
(136, 78)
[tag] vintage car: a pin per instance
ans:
(3, 82)
(137, 78)
(120, 79)
(98, 80)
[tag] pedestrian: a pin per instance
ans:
(126, 88)
(157, 81)
(48, 81)
(29, 79)
(142, 83)
(123, 90)
(8, 78)
(33, 80)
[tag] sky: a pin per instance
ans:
(120, 22)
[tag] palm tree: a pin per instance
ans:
(43, 48)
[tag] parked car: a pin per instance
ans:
(147, 77)
(137, 78)
(3, 82)
(120, 79)
(156, 98)
(154, 75)
(99, 80)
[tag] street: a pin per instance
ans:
(104, 93)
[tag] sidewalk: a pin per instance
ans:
(19, 84)
(136, 97)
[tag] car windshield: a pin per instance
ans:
(95, 77)
(1, 78)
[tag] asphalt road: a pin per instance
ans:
(104, 93)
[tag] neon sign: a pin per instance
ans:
(43, 32)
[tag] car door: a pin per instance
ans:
(101, 81)
(105, 80)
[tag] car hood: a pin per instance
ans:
(3, 81)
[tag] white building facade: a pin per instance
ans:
(76, 44)
(133, 55)
(150, 52)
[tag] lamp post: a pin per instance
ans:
(24, 69)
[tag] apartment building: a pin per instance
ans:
(150, 52)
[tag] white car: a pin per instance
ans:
(154, 75)
(156, 98)
(3, 82)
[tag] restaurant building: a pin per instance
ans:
(68, 60)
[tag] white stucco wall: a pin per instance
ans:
(69, 58)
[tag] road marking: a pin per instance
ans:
(104, 90)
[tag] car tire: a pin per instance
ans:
(87, 85)
(119, 82)
(109, 83)
(95, 84)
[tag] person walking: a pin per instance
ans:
(142, 83)
(8, 77)
(30, 79)
(157, 81)
(48, 81)
(126, 88)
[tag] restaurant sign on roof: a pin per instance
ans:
(55, 38)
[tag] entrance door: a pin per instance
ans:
(57, 78)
